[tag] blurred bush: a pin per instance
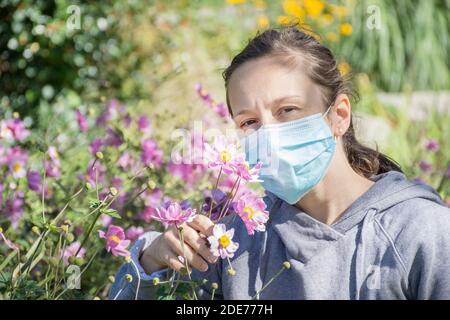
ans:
(49, 47)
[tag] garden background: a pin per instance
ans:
(90, 93)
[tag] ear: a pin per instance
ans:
(341, 115)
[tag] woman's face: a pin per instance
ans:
(266, 91)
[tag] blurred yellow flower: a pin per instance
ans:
(260, 4)
(344, 68)
(263, 21)
(313, 7)
(327, 19)
(331, 36)
(293, 8)
(339, 11)
(346, 29)
(283, 20)
(235, 1)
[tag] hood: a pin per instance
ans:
(390, 188)
(311, 235)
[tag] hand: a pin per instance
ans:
(164, 250)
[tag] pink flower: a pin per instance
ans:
(174, 215)
(53, 164)
(105, 220)
(71, 250)
(95, 172)
(115, 241)
(189, 173)
(221, 155)
(133, 232)
(34, 181)
(112, 111)
(82, 121)
(144, 125)
(126, 161)
(152, 198)
(246, 173)
(113, 138)
(151, 154)
(17, 159)
(95, 145)
(251, 209)
(425, 166)
(13, 130)
(14, 208)
(205, 96)
(147, 214)
(8, 243)
(432, 145)
(221, 110)
(221, 242)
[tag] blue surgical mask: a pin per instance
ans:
(295, 155)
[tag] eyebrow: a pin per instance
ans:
(276, 101)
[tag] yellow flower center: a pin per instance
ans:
(249, 211)
(224, 241)
(225, 156)
(16, 166)
(115, 239)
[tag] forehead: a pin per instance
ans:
(264, 80)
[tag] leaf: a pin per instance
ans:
(112, 213)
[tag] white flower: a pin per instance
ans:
(221, 242)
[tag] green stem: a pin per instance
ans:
(180, 232)
(269, 282)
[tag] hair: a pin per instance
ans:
(291, 43)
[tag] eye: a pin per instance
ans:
(247, 123)
(287, 109)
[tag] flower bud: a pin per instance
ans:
(151, 184)
(99, 155)
(96, 298)
(231, 271)
(16, 115)
(72, 260)
(70, 237)
(65, 228)
(23, 259)
(54, 261)
(79, 261)
(287, 264)
(111, 278)
(88, 186)
(113, 191)
(68, 222)
(127, 259)
(214, 286)
(128, 277)
(155, 281)
(35, 229)
(1, 230)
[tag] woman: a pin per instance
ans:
(343, 215)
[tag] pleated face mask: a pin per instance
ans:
(295, 155)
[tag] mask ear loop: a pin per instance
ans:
(324, 115)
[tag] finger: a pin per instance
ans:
(193, 258)
(202, 224)
(171, 259)
(198, 244)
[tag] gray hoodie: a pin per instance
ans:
(392, 243)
